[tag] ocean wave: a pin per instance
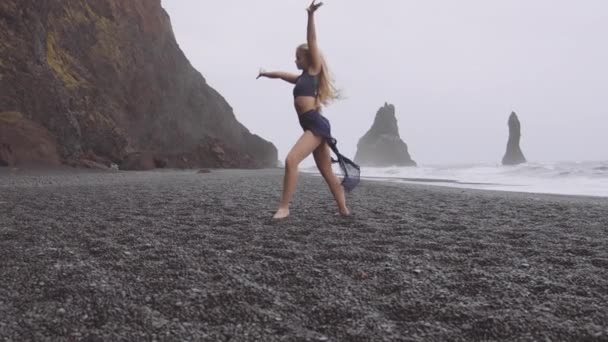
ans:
(576, 178)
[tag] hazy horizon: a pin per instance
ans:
(454, 71)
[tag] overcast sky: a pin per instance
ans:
(454, 70)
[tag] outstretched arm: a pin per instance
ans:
(311, 37)
(285, 76)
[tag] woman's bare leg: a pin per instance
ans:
(307, 143)
(323, 160)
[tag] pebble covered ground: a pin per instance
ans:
(185, 256)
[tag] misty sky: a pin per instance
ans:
(454, 70)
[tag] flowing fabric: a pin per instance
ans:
(319, 125)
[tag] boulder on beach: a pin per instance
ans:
(25, 142)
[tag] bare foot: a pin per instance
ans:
(281, 214)
(344, 213)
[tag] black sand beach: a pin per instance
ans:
(180, 255)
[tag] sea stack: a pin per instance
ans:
(514, 155)
(382, 146)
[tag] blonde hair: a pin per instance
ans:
(327, 89)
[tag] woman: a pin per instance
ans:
(313, 88)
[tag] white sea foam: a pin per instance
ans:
(569, 178)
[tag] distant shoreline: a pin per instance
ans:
(555, 179)
(58, 171)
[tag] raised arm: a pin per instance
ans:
(285, 76)
(311, 37)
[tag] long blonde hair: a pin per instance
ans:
(327, 89)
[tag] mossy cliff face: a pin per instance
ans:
(106, 78)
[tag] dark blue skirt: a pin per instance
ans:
(319, 125)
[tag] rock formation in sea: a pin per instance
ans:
(382, 145)
(513, 155)
(100, 82)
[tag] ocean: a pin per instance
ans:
(566, 178)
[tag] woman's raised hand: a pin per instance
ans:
(313, 7)
(261, 73)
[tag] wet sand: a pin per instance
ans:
(177, 255)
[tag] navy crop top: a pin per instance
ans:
(306, 85)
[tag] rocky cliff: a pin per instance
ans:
(382, 145)
(105, 81)
(514, 155)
